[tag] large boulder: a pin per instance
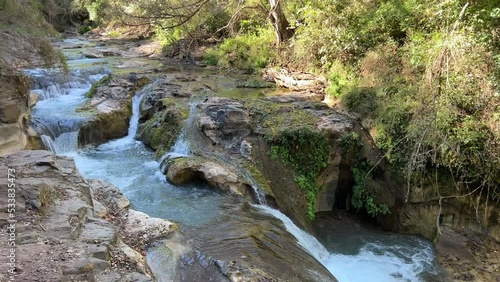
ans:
(163, 111)
(225, 122)
(186, 169)
(111, 108)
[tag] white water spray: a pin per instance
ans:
(64, 143)
(379, 262)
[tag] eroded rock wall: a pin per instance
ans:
(16, 102)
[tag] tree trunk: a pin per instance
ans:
(279, 22)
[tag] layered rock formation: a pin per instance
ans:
(69, 228)
(244, 132)
(17, 101)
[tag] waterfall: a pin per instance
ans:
(381, 261)
(54, 117)
(64, 143)
(134, 119)
(52, 84)
(181, 145)
(120, 144)
(306, 240)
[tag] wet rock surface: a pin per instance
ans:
(111, 108)
(245, 245)
(187, 169)
(468, 256)
(69, 228)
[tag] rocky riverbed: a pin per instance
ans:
(250, 144)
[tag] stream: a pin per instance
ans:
(215, 224)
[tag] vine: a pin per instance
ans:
(306, 152)
(361, 197)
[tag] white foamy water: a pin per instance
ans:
(128, 140)
(64, 143)
(374, 261)
(130, 166)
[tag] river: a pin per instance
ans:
(212, 220)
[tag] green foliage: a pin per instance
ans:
(24, 17)
(168, 38)
(424, 77)
(51, 57)
(99, 11)
(307, 153)
(361, 100)
(362, 198)
(84, 29)
(350, 141)
(211, 57)
(340, 79)
(248, 52)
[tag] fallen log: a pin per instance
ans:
(295, 81)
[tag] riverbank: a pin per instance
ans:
(69, 228)
(199, 80)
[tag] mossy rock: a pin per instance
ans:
(260, 179)
(161, 131)
(102, 82)
(273, 118)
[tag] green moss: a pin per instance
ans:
(294, 139)
(306, 152)
(260, 179)
(161, 131)
(102, 82)
(276, 117)
(171, 103)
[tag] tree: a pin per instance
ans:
(173, 13)
(280, 24)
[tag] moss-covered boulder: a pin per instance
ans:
(296, 149)
(163, 111)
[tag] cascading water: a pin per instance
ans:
(383, 262)
(128, 140)
(130, 166)
(181, 146)
(64, 143)
(54, 83)
(380, 262)
(54, 117)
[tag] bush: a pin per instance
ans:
(211, 57)
(84, 29)
(340, 79)
(306, 163)
(361, 197)
(361, 100)
(248, 52)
